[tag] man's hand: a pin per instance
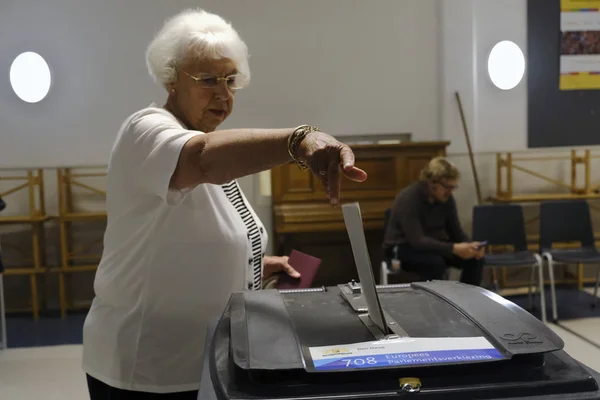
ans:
(275, 264)
(480, 250)
(467, 250)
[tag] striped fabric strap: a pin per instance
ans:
(233, 193)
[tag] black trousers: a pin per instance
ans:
(432, 266)
(101, 391)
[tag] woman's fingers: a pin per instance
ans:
(329, 159)
(334, 180)
(346, 156)
(321, 170)
(355, 174)
(350, 171)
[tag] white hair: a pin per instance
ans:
(195, 33)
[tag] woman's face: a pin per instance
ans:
(191, 98)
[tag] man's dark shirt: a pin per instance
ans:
(423, 225)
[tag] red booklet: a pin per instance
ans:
(306, 265)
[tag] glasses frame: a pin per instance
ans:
(198, 80)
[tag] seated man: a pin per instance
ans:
(424, 229)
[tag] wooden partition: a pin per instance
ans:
(32, 262)
(304, 220)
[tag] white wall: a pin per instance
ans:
(350, 66)
(497, 120)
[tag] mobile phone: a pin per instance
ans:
(483, 244)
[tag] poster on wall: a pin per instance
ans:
(580, 45)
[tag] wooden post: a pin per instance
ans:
(573, 172)
(499, 190)
(588, 168)
(509, 183)
(468, 140)
(41, 192)
(35, 244)
(64, 250)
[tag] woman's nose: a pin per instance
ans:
(222, 91)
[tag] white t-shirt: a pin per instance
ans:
(170, 263)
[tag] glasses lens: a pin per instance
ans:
(208, 81)
(236, 81)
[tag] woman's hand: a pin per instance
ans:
(275, 264)
(328, 158)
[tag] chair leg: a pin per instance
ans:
(384, 273)
(540, 268)
(552, 286)
(596, 299)
(4, 344)
(495, 279)
(531, 279)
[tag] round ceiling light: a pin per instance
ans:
(30, 77)
(506, 65)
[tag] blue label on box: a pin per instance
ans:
(403, 352)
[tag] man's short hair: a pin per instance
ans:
(438, 169)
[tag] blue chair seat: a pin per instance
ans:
(519, 258)
(575, 256)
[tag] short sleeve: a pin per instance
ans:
(155, 140)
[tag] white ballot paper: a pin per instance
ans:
(354, 226)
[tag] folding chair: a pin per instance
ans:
(567, 221)
(503, 224)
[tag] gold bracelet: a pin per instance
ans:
(294, 142)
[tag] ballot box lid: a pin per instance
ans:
(271, 330)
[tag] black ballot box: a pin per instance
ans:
(430, 340)
(441, 340)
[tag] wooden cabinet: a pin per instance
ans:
(304, 220)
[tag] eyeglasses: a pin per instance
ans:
(207, 81)
(448, 187)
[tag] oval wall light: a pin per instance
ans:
(506, 65)
(30, 77)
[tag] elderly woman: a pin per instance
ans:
(181, 236)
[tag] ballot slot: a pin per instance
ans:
(363, 296)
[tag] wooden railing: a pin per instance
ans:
(33, 262)
(507, 164)
(72, 255)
